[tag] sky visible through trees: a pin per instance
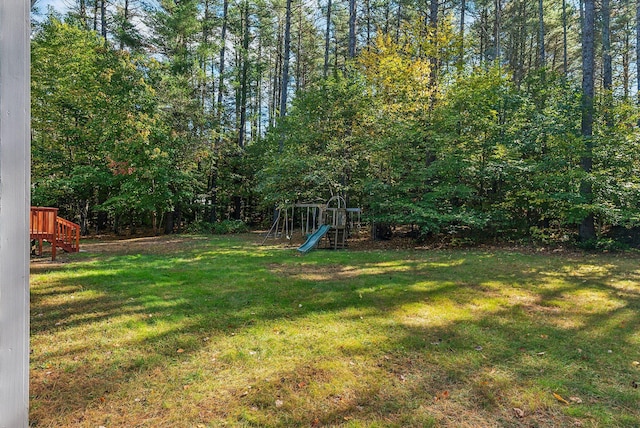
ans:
(462, 118)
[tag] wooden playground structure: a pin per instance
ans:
(321, 224)
(45, 225)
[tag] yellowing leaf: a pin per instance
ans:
(560, 399)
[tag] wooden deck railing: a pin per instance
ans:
(45, 225)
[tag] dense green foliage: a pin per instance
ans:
(167, 116)
(488, 157)
(96, 140)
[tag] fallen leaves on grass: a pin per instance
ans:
(518, 412)
(441, 396)
(560, 399)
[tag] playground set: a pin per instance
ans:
(322, 224)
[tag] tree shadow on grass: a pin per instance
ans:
(150, 317)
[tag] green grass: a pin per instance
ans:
(203, 332)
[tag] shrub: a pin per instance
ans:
(220, 228)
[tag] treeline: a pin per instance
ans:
(505, 118)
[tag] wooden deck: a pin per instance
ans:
(45, 225)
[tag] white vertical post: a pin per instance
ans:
(14, 212)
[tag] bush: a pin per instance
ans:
(604, 245)
(220, 228)
(229, 226)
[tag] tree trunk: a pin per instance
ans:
(213, 214)
(433, 14)
(352, 29)
(84, 218)
(101, 221)
(463, 7)
(299, 49)
(587, 227)
(581, 10)
(103, 18)
(433, 61)
(368, 9)
(168, 225)
(285, 61)
(626, 56)
(244, 78)
(498, 30)
(541, 50)
(607, 72)
(125, 20)
(95, 15)
(204, 58)
(223, 40)
(237, 207)
(484, 43)
(285, 71)
(154, 222)
(387, 16)
(259, 91)
(327, 40)
(398, 22)
(277, 78)
(565, 60)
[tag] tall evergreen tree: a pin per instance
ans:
(352, 28)
(284, 91)
(587, 226)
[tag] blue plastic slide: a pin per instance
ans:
(314, 239)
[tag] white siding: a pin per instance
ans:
(14, 212)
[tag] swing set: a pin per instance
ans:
(333, 219)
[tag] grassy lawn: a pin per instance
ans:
(204, 332)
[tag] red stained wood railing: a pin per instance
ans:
(45, 225)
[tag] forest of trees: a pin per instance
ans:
(507, 119)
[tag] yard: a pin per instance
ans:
(193, 331)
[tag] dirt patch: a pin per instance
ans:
(360, 241)
(41, 264)
(146, 245)
(169, 244)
